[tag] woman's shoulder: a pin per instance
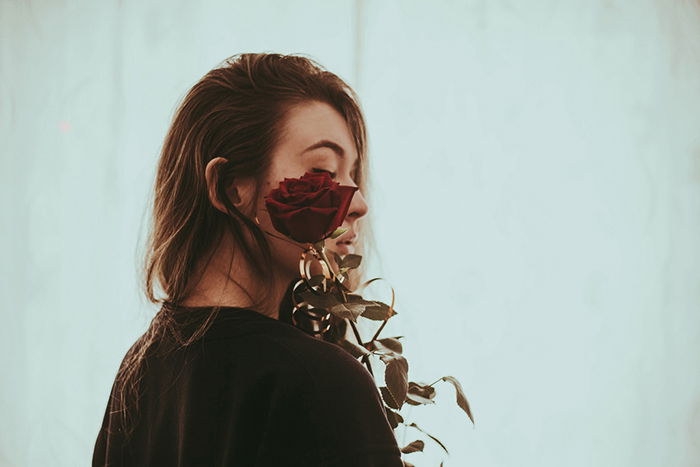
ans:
(289, 347)
(293, 378)
(327, 362)
(279, 351)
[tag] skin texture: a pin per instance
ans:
(306, 124)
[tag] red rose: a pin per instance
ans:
(310, 208)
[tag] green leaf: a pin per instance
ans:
(396, 376)
(388, 398)
(338, 232)
(415, 446)
(347, 310)
(394, 417)
(431, 436)
(351, 261)
(420, 394)
(461, 398)
(353, 349)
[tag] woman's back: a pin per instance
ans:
(253, 391)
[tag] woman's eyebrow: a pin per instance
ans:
(324, 143)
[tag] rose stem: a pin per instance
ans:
(376, 334)
(435, 382)
(365, 358)
(257, 221)
(283, 238)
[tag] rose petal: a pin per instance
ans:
(308, 224)
(344, 195)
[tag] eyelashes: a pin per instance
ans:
(332, 174)
(322, 170)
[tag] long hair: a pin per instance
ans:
(236, 111)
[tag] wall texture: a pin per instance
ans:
(536, 197)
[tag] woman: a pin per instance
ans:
(221, 377)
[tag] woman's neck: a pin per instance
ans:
(231, 283)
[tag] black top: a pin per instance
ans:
(253, 391)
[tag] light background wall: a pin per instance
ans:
(536, 201)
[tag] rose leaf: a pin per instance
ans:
(353, 349)
(338, 232)
(388, 398)
(396, 376)
(351, 261)
(394, 417)
(378, 311)
(461, 398)
(415, 446)
(420, 394)
(431, 436)
(347, 310)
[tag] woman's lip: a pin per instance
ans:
(345, 248)
(346, 237)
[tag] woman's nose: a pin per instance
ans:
(358, 207)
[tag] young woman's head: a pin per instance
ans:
(240, 130)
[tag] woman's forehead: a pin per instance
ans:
(309, 123)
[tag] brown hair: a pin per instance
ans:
(236, 111)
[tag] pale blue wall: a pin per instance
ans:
(536, 198)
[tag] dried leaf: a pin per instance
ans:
(351, 261)
(461, 398)
(415, 446)
(347, 310)
(431, 436)
(354, 298)
(394, 417)
(420, 394)
(388, 398)
(324, 301)
(396, 376)
(338, 232)
(352, 348)
(390, 344)
(378, 311)
(316, 280)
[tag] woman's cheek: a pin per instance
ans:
(330, 249)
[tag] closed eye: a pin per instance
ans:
(322, 170)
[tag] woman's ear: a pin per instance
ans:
(211, 173)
